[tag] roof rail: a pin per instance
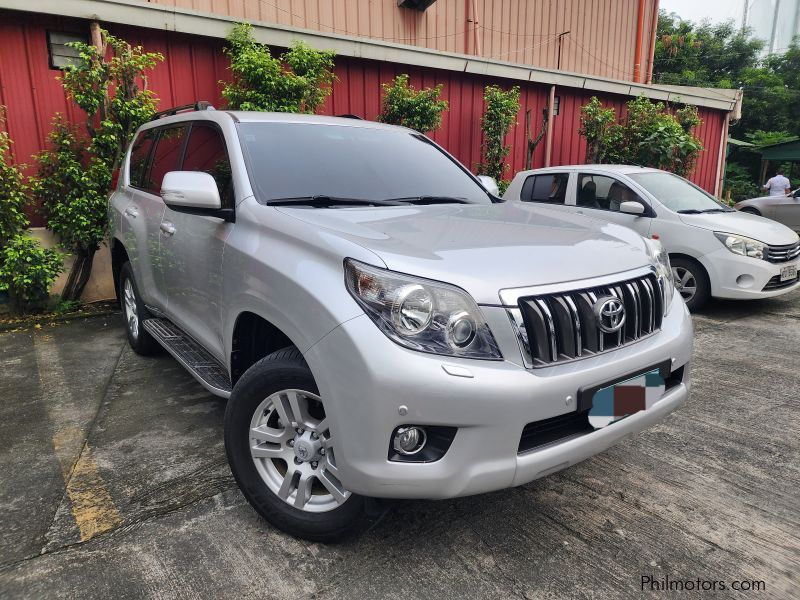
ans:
(349, 116)
(201, 105)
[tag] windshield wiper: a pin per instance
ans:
(323, 200)
(695, 211)
(689, 211)
(432, 200)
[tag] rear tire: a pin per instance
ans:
(133, 313)
(282, 453)
(691, 280)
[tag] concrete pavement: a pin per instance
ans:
(113, 482)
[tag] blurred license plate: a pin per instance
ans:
(788, 272)
(615, 402)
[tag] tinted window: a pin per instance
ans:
(166, 156)
(605, 193)
(140, 154)
(288, 160)
(205, 151)
(551, 189)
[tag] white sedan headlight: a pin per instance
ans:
(663, 270)
(421, 314)
(739, 244)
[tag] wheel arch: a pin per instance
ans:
(254, 337)
(119, 256)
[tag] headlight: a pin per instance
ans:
(744, 246)
(663, 270)
(421, 314)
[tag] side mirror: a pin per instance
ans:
(490, 184)
(632, 208)
(190, 189)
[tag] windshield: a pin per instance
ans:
(297, 160)
(676, 193)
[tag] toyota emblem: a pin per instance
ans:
(610, 314)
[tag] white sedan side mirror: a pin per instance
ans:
(632, 208)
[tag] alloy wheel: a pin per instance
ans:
(291, 446)
(129, 307)
(685, 282)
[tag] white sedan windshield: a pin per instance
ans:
(677, 194)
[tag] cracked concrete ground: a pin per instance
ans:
(113, 483)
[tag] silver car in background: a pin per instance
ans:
(783, 209)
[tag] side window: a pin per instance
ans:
(166, 156)
(550, 188)
(605, 193)
(140, 158)
(205, 151)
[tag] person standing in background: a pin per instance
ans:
(778, 185)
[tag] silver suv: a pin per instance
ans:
(384, 326)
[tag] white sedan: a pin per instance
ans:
(714, 250)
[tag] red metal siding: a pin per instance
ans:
(194, 65)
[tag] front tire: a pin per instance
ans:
(691, 281)
(134, 312)
(752, 211)
(282, 453)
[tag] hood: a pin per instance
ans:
(761, 229)
(485, 248)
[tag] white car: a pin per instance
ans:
(714, 250)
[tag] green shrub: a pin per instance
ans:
(420, 110)
(298, 81)
(497, 120)
(27, 271)
(75, 173)
(650, 135)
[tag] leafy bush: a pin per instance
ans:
(27, 270)
(498, 119)
(74, 175)
(420, 110)
(739, 183)
(298, 81)
(13, 196)
(650, 135)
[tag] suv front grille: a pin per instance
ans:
(559, 327)
(779, 254)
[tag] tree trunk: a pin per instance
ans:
(79, 274)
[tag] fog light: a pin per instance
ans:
(409, 440)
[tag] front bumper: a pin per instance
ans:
(364, 379)
(741, 277)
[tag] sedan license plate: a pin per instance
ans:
(615, 402)
(788, 272)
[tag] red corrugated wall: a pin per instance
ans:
(194, 65)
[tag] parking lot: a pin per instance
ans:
(114, 483)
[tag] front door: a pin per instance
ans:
(192, 245)
(600, 197)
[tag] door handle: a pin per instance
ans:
(131, 212)
(167, 227)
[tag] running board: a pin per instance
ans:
(194, 358)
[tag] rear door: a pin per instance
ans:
(600, 196)
(141, 216)
(192, 245)
(549, 189)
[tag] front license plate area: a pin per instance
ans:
(615, 400)
(788, 272)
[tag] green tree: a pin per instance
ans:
(420, 110)
(650, 135)
(498, 118)
(75, 173)
(297, 81)
(26, 269)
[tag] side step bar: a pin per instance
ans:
(194, 358)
